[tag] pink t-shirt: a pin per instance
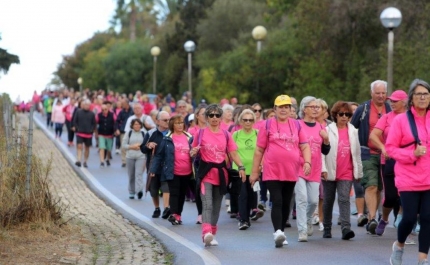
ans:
(213, 148)
(259, 124)
(58, 115)
(344, 169)
(193, 130)
(281, 160)
(315, 141)
(225, 126)
(182, 166)
(384, 124)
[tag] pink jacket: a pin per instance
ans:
(58, 115)
(409, 176)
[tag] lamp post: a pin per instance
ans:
(189, 47)
(391, 18)
(155, 51)
(80, 81)
(259, 34)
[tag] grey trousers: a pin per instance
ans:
(135, 168)
(211, 201)
(307, 194)
(343, 188)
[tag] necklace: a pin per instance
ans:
(289, 125)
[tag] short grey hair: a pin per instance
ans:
(213, 108)
(246, 111)
(227, 107)
(374, 83)
(86, 101)
(160, 113)
(305, 101)
(137, 104)
(322, 103)
(417, 82)
(181, 102)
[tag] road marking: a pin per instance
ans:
(207, 257)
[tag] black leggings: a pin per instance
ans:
(70, 133)
(414, 203)
(192, 184)
(391, 193)
(177, 189)
(281, 193)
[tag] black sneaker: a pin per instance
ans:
(85, 164)
(362, 220)
(123, 165)
(243, 225)
(347, 234)
(288, 224)
(156, 213)
(233, 215)
(107, 163)
(131, 196)
(371, 227)
(140, 195)
(327, 233)
(78, 164)
(166, 213)
(102, 164)
(256, 214)
(172, 218)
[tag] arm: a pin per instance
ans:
(143, 147)
(258, 157)
(306, 152)
(158, 157)
(375, 138)
(325, 147)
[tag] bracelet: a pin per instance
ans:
(308, 163)
(241, 168)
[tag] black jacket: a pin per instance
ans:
(84, 121)
(106, 124)
(122, 118)
(153, 135)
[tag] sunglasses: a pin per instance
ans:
(179, 123)
(214, 115)
(347, 114)
(248, 120)
(257, 110)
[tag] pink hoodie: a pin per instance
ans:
(58, 115)
(409, 177)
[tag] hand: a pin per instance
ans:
(253, 178)
(324, 175)
(384, 153)
(151, 175)
(194, 151)
(324, 135)
(306, 169)
(151, 145)
(420, 151)
(117, 132)
(242, 175)
(73, 129)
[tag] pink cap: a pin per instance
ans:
(398, 95)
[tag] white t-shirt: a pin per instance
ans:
(144, 119)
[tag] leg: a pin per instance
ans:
(424, 235)
(301, 205)
(79, 151)
(87, 153)
(329, 197)
(287, 196)
(61, 129)
(174, 190)
(207, 203)
(313, 194)
(234, 195)
(139, 169)
(166, 194)
(274, 188)
(343, 190)
(216, 208)
(131, 169)
(123, 151)
(154, 187)
(184, 180)
(371, 182)
(197, 197)
(411, 203)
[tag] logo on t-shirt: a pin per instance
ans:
(288, 141)
(215, 151)
(345, 149)
(315, 144)
(182, 149)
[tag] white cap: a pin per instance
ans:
(191, 117)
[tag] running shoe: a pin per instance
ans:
(321, 227)
(256, 214)
(396, 256)
(303, 237)
(380, 229)
(207, 239)
(362, 220)
(199, 219)
(371, 227)
(166, 213)
(243, 225)
(279, 238)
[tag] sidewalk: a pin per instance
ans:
(113, 239)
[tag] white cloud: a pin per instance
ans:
(40, 32)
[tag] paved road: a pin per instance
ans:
(252, 246)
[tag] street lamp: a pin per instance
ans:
(391, 18)
(259, 34)
(80, 81)
(189, 47)
(155, 51)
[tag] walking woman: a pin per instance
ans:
(68, 111)
(246, 140)
(342, 166)
(278, 148)
(135, 159)
(408, 144)
(58, 118)
(307, 187)
(214, 145)
(398, 103)
(173, 156)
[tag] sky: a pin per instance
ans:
(40, 32)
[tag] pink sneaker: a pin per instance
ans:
(199, 219)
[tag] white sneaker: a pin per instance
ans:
(117, 151)
(310, 230)
(228, 209)
(227, 202)
(285, 242)
(207, 239)
(303, 237)
(321, 228)
(214, 242)
(279, 238)
(315, 220)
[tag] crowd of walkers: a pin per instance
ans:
(289, 158)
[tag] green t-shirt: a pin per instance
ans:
(246, 144)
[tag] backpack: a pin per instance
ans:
(129, 135)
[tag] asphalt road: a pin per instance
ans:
(252, 246)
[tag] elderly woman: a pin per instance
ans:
(227, 116)
(246, 140)
(214, 144)
(407, 144)
(398, 103)
(135, 158)
(342, 165)
(307, 186)
(279, 145)
(172, 156)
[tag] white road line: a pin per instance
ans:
(207, 257)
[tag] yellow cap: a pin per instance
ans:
(282, 100)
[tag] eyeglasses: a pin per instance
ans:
(347, 114)
(313, 107)
(182, 106)
(166, 120)
(257, 110)
(422, 95)
(214, 115)
(248, 120)
(179, 123)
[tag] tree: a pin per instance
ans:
(6, 60)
